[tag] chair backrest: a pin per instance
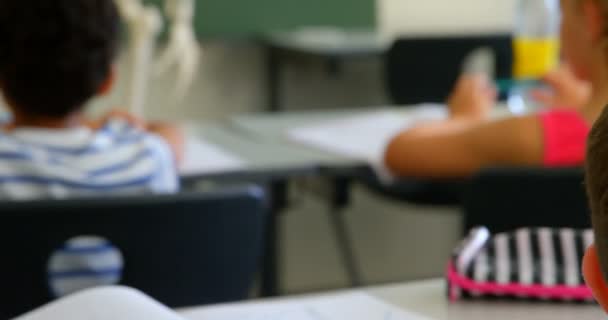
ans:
(420, 70)
(182, 250)
(433, 192)
(507, 199)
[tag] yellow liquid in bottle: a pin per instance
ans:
(534, 57)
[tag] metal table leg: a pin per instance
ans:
(271, 271)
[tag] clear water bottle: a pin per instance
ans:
(536, 39)
(535, 50)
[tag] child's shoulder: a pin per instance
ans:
(124, 132)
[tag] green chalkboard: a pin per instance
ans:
(235, 18)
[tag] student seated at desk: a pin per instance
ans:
(54, 57)
(470, 140)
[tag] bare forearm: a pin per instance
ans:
(460, 147)
(426, 151)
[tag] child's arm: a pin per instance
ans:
(468, 141)
(460, 147)
(173, 135)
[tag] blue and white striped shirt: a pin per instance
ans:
(118, 159)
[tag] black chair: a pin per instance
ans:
(182, 250)
(420, 70)
(437, 192)
(509, 198)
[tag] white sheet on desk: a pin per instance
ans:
(365, 137)
(348, 306)
(202, 157)
(110, 303)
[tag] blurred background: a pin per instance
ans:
(393, 241)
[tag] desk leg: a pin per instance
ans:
(273, 79)
(271, 272)
(334, 66)
(340, 200)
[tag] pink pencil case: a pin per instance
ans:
(529, 263)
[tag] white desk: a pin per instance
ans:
(262, 144)
(417, 301)
(428, 298)
(330, 42)
(260, 159)
(275, 128)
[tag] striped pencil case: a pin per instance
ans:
(532, 264)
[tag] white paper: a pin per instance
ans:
(109, 303)
(348, 306)
(364, 137)
(202, 157)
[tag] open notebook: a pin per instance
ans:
(109, 303)
(364, 137)
(118, 303)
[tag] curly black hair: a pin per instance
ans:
(597, 185)
(56, 54)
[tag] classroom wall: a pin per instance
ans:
(238, 18)
(232, 78)
(444, 16)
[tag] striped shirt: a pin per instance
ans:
(118, 159)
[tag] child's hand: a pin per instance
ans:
(172, 134)
(565, 90)
(117, 114)
(473, 97)
(130, 118)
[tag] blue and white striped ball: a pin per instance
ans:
(82, 263)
